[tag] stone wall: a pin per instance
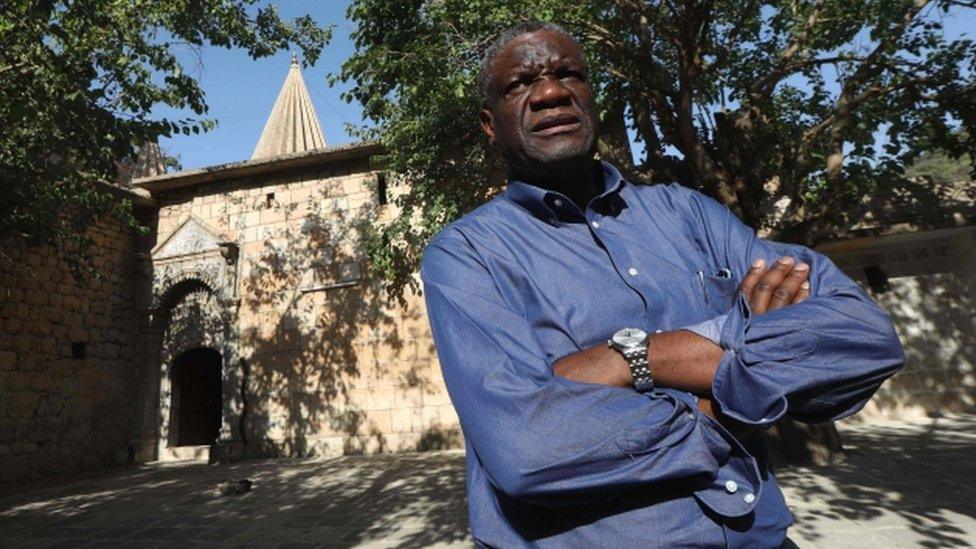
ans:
(322, 364)
(67, 373)
(931, 298)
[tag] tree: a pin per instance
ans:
(78, 83)
(787, 112)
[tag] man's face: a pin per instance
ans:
(540, 108)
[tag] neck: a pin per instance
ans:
(579, 183)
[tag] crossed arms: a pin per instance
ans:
(543, 436)
(682, 359)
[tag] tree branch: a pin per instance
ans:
(725, 51)
(847, 101)
(17, 67)
(763, 87)
(664, 167)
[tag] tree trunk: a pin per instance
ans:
(806, 443)
(613, 144)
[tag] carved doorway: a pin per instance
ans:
(197, 396)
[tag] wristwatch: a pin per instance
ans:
(632, 344)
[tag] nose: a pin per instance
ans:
(548, 92)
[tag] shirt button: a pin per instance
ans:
(632, 271)
(595, 225)
(731, 486)
(749, 498)
(558, 202)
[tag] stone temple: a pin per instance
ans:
(247, 323)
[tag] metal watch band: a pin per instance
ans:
(640, 369)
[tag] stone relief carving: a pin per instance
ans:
(192, 236)
(195, 251)
(191, 239)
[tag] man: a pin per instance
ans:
(574, 442)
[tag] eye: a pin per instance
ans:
(568, 73)
(516, 86)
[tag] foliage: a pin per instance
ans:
(754, 102)
(941, 168)
(78, 83)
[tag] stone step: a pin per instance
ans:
(186, 453)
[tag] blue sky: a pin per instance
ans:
(241, 91)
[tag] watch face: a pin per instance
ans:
(629, 337)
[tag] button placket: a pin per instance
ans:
(621, 260)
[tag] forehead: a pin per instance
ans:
(536, 50)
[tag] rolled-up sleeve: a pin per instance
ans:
(816, 361)
(549, 440)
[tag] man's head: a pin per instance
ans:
(538, 105)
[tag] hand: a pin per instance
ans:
(785, 283)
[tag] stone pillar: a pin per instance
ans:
(231, 442)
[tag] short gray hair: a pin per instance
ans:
(506, 36)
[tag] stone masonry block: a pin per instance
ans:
(272, 215)
(448, 415)
(380, 421)
(405, 420)
(44, 430)
(16, 295)
(50, 406)
(380, 397)
(43, 383)
(437, 396)
(407, 397)
(35, 297)
(12, 382)
(8, 360)
(23, 404)
(13, 468)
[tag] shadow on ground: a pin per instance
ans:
(903, 484)
(406, 500)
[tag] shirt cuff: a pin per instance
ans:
(742, 388)
(710, 329)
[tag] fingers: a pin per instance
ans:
(752, 277)
(778, 286)
(785, 283)
(768, 282)
(789, 287)
(802, 294)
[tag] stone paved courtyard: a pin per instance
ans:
(905, 484)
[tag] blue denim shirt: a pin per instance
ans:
(528, 278)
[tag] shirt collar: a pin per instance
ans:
(554, 207)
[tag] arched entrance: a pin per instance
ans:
(196, 396)
(193, 389)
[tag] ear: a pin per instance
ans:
(487, 124)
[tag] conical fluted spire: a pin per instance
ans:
(293, 125)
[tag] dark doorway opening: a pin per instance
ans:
(196, 392)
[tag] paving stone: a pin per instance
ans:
(905, 484)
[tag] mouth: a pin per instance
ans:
(552, 125)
